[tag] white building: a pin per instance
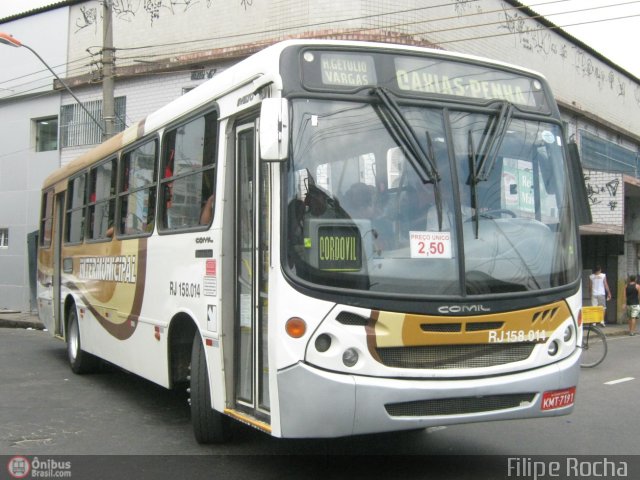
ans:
(164, 47)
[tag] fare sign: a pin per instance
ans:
(430, 244)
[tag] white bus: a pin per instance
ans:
(327, 239)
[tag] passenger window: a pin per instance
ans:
(76, 202)
(137, 195)
(102, 200)
(46, 219)
(188, 174)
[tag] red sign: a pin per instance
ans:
(211, 267)
(558, 399)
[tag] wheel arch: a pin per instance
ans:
(69, 303)
(182, 329)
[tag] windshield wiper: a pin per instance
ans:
(492, 141)
(421, 159)
(487, 153)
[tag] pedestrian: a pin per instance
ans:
(599, 289)
(631, 293)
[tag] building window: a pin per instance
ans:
(600, 154)
(78, 128)
(46, 134)
(4, 238)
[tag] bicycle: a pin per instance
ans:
(594, 341)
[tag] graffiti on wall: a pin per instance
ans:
(463, 7)
(602, 192)
(530, 35)
(88, 17)
(538, 39)
(127, 10)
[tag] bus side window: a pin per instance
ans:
(75, 209)
(46, 219)
(188, 174)
(137, 195)
(102, 194)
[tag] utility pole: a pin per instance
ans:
(108, 102)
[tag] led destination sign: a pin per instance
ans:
(422, 75)
(347, 70)
(339, 248)
(465, 80)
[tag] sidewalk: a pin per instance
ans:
(14, 319)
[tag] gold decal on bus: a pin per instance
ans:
(120, 268)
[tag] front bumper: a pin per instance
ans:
(319, 403)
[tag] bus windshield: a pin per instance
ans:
(492, 215)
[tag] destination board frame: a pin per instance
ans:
(386, 75)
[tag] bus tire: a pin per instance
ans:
(79, 360)
(209, 425)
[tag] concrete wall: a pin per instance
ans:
(26, 95)
(22, 73)
(22, 171)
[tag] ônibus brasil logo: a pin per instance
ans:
(19, 467)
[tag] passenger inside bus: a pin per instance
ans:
(360, 203)
(207, 211)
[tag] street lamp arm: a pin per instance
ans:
(9, 40)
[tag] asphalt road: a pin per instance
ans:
(47, 410)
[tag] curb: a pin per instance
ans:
(12, 322)
(20, 324)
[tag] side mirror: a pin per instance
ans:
(274, 129)
(580, 195)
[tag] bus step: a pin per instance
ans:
(248, 420)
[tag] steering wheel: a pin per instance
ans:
(497, 212)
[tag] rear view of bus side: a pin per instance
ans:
(328, 239)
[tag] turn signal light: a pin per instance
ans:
(296, 327)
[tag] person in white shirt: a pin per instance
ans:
(599, 289)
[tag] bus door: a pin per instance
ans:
(57, 239)
(252, 226)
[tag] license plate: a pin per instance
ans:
(558, 399)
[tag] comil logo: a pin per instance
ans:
(19, 467)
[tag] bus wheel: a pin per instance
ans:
(79, 360)
(209, 425)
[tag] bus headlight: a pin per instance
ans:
(553, 348)
(350, 357)
(323, 343)
(568, 333)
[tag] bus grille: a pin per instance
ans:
(455, 356)
(458, 406)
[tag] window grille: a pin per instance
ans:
(77, 128)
